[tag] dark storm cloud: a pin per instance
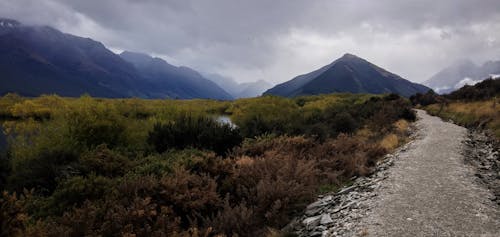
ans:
(275, 40)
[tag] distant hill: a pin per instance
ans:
(460, 73)
(240, 90)
(253, 89)
(347, 74)
(37, 60)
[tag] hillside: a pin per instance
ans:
(37, 60)
(240, 90)
(463, 72)
(347, 74)
(167, 81)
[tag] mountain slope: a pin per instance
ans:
(253, 89)
(37, 60)
(240, 90)
(347, 74)
(165, 80)
(461, 73)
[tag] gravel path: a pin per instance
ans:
(430, 191)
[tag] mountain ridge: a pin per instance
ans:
(37, 60)
(348, 73)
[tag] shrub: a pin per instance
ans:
(75, 190)
(91, 124)
(426, 99)
(105, 162)
(343, 123)
(42, 171)
(14, 218)
(4, 169)
(197, 132)
(268, 114)
(90, 133)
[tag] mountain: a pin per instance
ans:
(240, 90)
(168, 81)
(37, 60)
(347, 74)
(253, 89)
(460, 73)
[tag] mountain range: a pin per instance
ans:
(461, 73)
(37, 60)
(240, 90)
(349, 73)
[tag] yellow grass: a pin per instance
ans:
(401, 125)
(485, 113)
(390, 142)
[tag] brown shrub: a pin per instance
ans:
(105, 162)
(235, 220)
(13, 216)
(190, 195)
(140, 218)
(275, 187)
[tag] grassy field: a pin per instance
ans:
(132, 167)
(483, 114)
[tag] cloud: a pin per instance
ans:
(276, 40)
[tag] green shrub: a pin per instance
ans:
(343, 123)
(75, 190)
(197, 132)
(42, 171)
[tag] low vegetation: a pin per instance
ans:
(131, 167)
(471, 106)
(475, 114)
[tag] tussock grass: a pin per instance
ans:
(390, 142)
(482, 114)
(401, 125)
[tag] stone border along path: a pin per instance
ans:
(423, 189)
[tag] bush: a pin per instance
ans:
(105, 162)
(4, 169)
(197, 132)
(75, 190)
(91, 124)
(91, 132)
(42, 171)
(268, 114)
(426, 99)
(343, 123)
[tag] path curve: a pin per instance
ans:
(430, 191)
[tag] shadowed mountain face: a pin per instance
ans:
(347, 74)
(165, 80)
(461, 73)
(38, 60)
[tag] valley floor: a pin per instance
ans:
(424, 189)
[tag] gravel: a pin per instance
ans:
(430, 187)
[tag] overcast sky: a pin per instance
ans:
(276, 40)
